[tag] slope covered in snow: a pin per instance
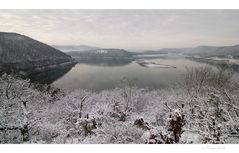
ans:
(20, 52)
(203, 108)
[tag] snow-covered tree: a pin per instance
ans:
(42, 114)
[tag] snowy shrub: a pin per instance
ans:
(118, 133)
(212, 117)
(191, 137)
(198, 79)
(118, 112)
(19, 108)
(141, 124)
(169, 134)
(200, 111)
(175, 124)
(158, 135)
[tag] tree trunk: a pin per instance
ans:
(25, 133)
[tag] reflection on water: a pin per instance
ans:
(98, 62)
(37, 76)
(48, 77)
(98, 75)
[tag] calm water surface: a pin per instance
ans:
(100, 76)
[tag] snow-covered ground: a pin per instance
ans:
(101, 51)
(153, 64)
(226, 60)
(150, 55)
(229, 60)
(194, 111)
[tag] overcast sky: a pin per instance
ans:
(128, 29)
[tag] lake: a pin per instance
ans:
(96, 76)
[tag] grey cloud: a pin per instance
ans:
(129, 29)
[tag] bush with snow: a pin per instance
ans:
(193, 112)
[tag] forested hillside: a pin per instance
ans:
(19, 52)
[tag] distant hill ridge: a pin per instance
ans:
(208, 51)
(204, 51)
(102, 54)
(80, 48)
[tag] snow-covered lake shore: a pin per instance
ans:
(153, 64)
